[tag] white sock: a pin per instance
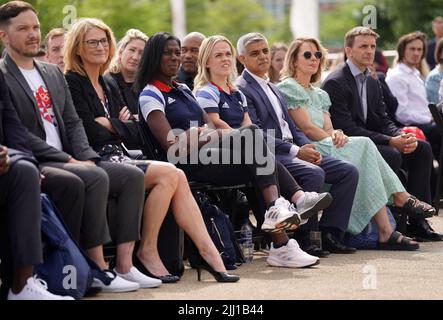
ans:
(300, 200)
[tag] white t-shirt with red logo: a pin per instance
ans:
(45, 107)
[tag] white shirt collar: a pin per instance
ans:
(261, 81)
(407, 69)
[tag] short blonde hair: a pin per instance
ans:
(74, 45)
(56, 32)
(289, 68)
(131, 34)
(358, 31)
(203, 76)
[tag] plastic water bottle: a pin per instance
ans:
(246, 242)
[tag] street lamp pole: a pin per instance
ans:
(178, 11)
(304, 20)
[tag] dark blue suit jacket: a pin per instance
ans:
(262, 113)
(346, 110)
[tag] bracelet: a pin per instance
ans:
(339, 130)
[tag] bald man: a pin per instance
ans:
(189, 53)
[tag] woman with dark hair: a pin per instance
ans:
(90, 47)
(168, 108)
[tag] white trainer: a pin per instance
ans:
(290, 256)
(36, 289)
(312, 203)
(134, 275)
(117, 284)
(280, 216)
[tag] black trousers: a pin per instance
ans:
(20, 216)
(418, 164)
(237, 161)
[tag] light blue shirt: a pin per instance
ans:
(360, 79)
(433, 84)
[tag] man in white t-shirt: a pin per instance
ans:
(407, 85)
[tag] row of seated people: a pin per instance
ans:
(80, 179)
(87, 110)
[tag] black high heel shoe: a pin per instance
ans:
(219, 276)
(169, 278)
(197, 262)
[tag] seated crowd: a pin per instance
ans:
(66, 123)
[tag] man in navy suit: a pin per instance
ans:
(267, 108)
(358, 109)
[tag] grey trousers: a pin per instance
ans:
(84, 211)
(20, 215)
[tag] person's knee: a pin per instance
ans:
(424, 150)
(182, 176)
(26, 170)
(134, 176)
(170, 175)
(316, 177)
(100, 177)
(351, 172)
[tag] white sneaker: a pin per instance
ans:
(117, 284)
(290, 256)
(134, 275)
(312, 203)
(36, 289)
(280, 216)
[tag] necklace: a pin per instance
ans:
(306, 86)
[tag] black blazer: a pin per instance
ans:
(72, 133)
(129, 97)
(88, 106)
(346, 111)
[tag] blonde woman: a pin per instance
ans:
(308, 107)
(124, 66)
(227, 108)
(278, 52)
(90, 47)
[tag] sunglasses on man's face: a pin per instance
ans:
(308, 55)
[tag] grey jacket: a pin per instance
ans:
(72, 134)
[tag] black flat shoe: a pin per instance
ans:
(168, 278)
(314, 250)
(333, 245)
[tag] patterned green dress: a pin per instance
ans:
(377, 182)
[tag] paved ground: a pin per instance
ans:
(364, 275)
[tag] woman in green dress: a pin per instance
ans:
(378, 184)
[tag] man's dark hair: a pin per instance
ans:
(151, 59)
(12, 9)
(408, 38)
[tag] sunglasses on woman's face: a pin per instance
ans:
(308, 55)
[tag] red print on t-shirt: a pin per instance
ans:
(44, 104)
